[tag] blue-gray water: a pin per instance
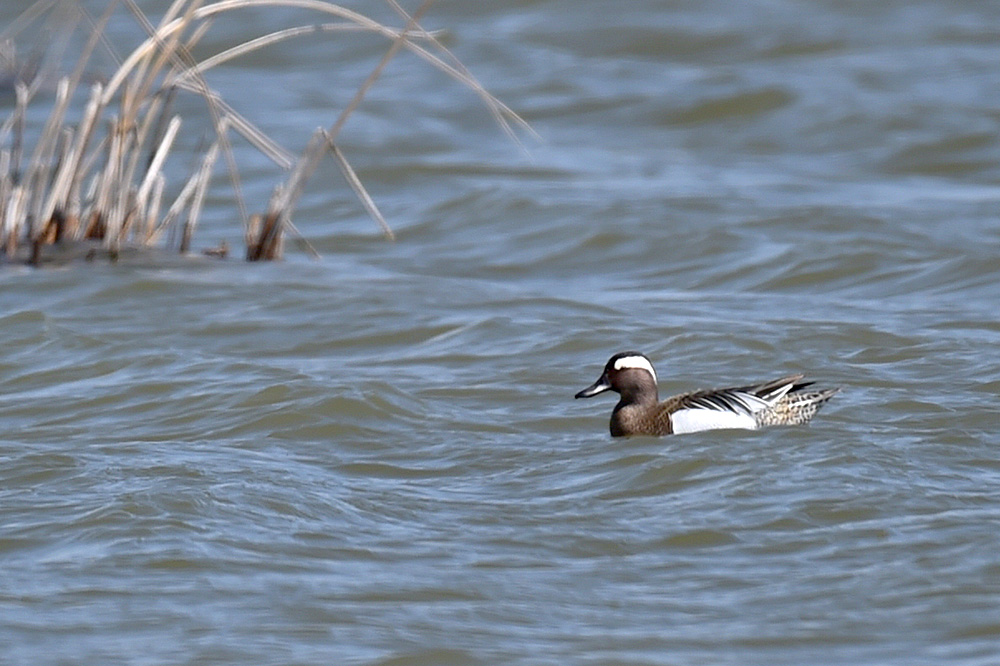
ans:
(375, 458)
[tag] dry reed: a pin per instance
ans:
(103, 178)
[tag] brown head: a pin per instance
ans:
(631, 375)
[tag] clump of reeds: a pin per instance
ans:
(102, 178)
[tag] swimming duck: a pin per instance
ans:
(639, 412)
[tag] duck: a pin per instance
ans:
(784, 401)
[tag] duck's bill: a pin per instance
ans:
(600, 386)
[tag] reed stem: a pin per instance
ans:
(106, 177)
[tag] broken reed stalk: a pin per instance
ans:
(285, 198)
(359, 189)
(105, 177)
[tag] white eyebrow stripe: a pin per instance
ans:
(640, 362)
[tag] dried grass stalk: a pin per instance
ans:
(105, 176)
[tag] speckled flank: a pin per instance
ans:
(795, 408)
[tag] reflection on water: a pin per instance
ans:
(376, 458)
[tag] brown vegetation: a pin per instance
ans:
(102, 178)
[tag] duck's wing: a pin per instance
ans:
(774, 390)
(735, 407)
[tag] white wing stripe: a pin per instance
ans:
(731, 401)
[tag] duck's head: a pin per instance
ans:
(630, 374)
